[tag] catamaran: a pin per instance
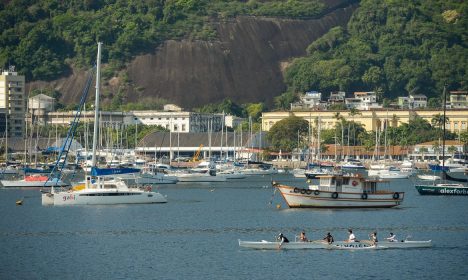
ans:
(98, 188)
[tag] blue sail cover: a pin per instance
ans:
(112, 171)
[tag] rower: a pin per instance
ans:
(329, 238)
(392, 237)
(373, 238)
(352, 237)
(282, 239)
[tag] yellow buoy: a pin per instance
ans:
(278, 206)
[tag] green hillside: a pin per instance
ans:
(45, 38)
(394, 47)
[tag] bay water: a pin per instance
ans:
(195, 236)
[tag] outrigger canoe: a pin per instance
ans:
(341, 245)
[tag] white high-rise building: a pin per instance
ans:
(13, 101)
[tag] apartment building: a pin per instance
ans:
(13, 101)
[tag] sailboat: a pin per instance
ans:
(98, 189)
(445, 188)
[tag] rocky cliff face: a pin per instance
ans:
(245, 64)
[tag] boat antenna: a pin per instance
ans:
(96, 104)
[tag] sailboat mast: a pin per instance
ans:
(96, 104)
(443, 138)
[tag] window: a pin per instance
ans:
(183, 127)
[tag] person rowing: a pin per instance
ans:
(373, 238)
(329, 238)
(352, 237)
(302, 237)
(392, 238)
(282, 239)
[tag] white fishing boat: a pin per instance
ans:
(99, 189)
(340, 191)
(33, 181)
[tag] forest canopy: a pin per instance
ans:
(45, 38)
(394, 47)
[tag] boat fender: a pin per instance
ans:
(335, 195)
(316, 192)
(396, 195)
(364, 196)
(296, 190)
(308, 191)
(354, 183)
(303, 191)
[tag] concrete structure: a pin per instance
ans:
(310, 100)
(39, 106)
(107, 119)
(232, 121)
(172, 108)
(174, 121)
(367, 100)
(458, 99)
(185, 145)
(337, 97)
(177, 121)
(412, 102)
(433, 150)
(371, 119)
(13, 100)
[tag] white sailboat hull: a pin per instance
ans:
(200, 177)
(31, 184)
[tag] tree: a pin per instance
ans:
(284, 134)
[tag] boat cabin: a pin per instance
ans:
(353, 183)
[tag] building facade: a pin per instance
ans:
(39, 106)
(372, 120)
(13, 101)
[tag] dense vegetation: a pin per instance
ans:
(45, 38)
(393, 47)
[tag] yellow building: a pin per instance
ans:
(372, 120)
(13, 100)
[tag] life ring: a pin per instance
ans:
(316, 192)
(354, 183)
(148, 188)
(364, 196)
(335, 195)
(296, 190)
(308, 191)
(396, 195)
(303, 191)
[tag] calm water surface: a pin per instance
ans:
(194, 236)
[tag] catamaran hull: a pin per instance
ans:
(306, 198)
(68, 198)
(438, 190)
